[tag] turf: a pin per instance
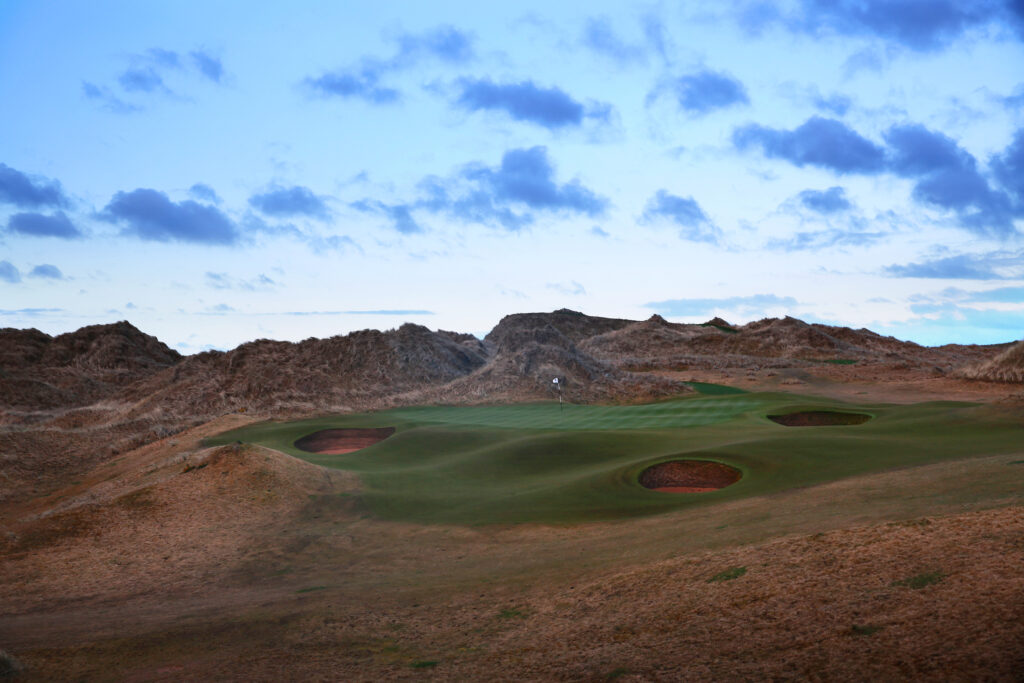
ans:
(537, 463)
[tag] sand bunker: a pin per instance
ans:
(689, 476)
(819, 418)
(339, 441)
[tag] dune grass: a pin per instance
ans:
(534, 463)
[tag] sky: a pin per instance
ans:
(217, 172)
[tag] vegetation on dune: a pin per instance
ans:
(922, 580)
(728, 574)
(1007, 366)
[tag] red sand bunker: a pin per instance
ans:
(340, 441)
(819, 418)
(689, 476)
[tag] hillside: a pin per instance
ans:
(1007, 366)
(38, 371)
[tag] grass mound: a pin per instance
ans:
(819, 418)
(689, 476)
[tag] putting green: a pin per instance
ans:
(537, 463)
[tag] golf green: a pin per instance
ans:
(539, 463)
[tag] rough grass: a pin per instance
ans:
(919, 581)
(728, 575)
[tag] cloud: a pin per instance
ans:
(8, 273)
(571, 288)
(289, 202)
(1000, 265)
(1000, 295)
(597, 231)
(164, 58)
(599, 36)
(25, 192)
(948, 177)
(151, 215)
(41, 225)
(204, 193)
(917, 151)
(210, 67)
(551, 108)
(333, 243)
(396, 311)
(107, 98)
(47, 271)
(362, 82)
(445, 42)
(508, 194)
(400, 215)
(757, 303)
(142, 79)
(363, 79)
(825, 239)
(526, 176)
(146, 75)
(694, 224)
(832, 200)
(706, 91)
(833, 104)
(656, 35)
(1008, 168)
(822, 142)
(225, 281)
(27, 311)
(918, 25)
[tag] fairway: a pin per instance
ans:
(539, 463)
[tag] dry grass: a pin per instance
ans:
(1008, 366)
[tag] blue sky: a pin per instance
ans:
(220, 172)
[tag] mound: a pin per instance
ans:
(654, 342)
(819, 418)
(361, 369)
(38, 371)
(340, 441)
(573, 325)
(530, 351)
(1007, 366)
(689, 476)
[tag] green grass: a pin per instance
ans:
(510, 613)
(532, 463)
(728, 575)
(723, 328)
(425, 664)
(920, 581)
(840, 361)
(709, 389)
(864, 630)
(311, 589)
